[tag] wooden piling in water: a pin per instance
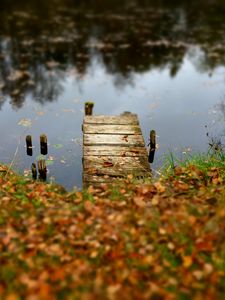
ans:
(29, 145)
(152, 146)
(34, 171)
(43, 144)
(88, 108)
(42, 170)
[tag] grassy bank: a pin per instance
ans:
(159, 240)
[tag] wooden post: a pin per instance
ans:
(42, 170)
(152, 146)
(34, 171)
(29, 145)
(43, 144)
(89, 108)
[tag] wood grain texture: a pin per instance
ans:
(115, 166)
(110, 150)
(120, 172)
(110, 139)
(113, 120)
(113, 147)
(111, 129)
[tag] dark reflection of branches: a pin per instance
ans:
(41, 40)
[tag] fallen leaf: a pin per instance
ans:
(160, 188)
(25, 122)
(107, 164)
(187, 261)
(138, 200)
(58, 146)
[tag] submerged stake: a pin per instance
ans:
(88, 108)
(42, 169)
(29, 145)
(43, 144)
(152, 146)
(34, 171)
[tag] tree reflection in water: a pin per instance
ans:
(41, 42)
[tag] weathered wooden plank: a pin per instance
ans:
(111, 129)
(121, 172)
(105, 139)
(117, 160)
(122, 151)
(116, 120)
(115, 165)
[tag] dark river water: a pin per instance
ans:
(164, 62)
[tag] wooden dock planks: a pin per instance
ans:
(113, 147)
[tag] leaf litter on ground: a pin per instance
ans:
(125, 240)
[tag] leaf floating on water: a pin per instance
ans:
(26, 172)
(49, 162)
(58, 146)
(25, 122)
(40, 113)
(66, 110)
(154, 105)
(77, 141)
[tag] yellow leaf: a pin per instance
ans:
(12, 296)
(155, 200)
(162, 231)
(94, 254)
(187, 261)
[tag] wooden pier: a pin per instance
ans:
(113, 147)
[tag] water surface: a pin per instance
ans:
(164, 62)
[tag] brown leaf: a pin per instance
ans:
(138, 200)
(160, 188)
(107, 164)
(125, 138)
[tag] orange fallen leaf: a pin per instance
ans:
(160, 188)
(138, 200)
(88, 206)
(187, 261)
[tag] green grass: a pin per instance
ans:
(203, 161)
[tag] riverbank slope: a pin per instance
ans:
(128, 240)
